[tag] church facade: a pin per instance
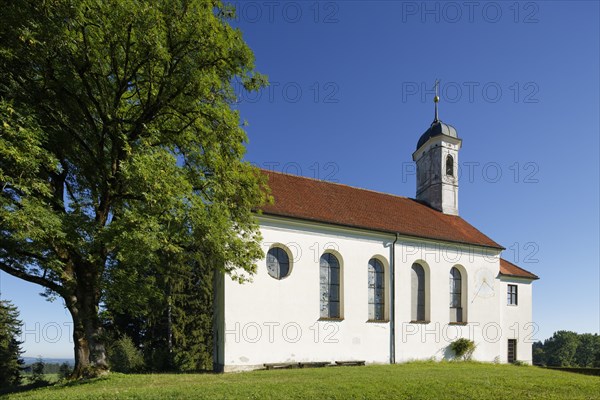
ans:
(356, 275)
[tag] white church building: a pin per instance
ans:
(356, 275)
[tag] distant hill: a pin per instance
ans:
(31, 360)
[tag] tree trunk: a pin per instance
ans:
(90, 352)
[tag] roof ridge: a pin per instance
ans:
(388, 212)
(341, 184)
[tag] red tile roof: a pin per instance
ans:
(332, 203)
(510, 269)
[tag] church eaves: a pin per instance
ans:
(509, 269)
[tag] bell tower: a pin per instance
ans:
(437, 165)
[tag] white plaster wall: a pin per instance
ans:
(517, 321)
(481, 313)
(270, 321)
(286, 311)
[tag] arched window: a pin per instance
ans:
(449, 165)
(455, 295)
(330, 286)
(376, 290)
(418, 293)
(278, 263)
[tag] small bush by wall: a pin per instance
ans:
(463, 348)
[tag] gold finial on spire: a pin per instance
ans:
(436, 99)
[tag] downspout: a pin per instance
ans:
(393, 303)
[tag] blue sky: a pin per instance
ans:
(350, 96)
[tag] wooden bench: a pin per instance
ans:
(317, 364)
(313, 364)
(281, 365)
(352, 363)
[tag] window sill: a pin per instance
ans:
(378, 321)
(331, 319)
(513, 305)
(420, 322)
(457, 323)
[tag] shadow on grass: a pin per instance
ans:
(577, 370)
(84, 381)
(24, 388)
(44, 384)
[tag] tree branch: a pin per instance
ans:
(32, 278)
(29, 254)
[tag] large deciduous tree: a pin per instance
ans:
(119, 146)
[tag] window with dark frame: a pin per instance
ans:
(278, 263)
(376, 290)
(330, 286)
(418, 293)
(455, 295)
(449, 165)
(512, 295)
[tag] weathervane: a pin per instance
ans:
(436, 99)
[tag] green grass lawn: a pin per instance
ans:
(419, 380)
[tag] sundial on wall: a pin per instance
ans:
(484, 284)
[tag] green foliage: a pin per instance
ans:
(125, 357)
(587, 350)
(451, 380)
(52, 367)
(172, 321)
(191, 316)
(37, 371)
(463, 348)
(64, 371)
(120, 149)
(568, 349)
(10, 346)
(538, 353)
(560, 349)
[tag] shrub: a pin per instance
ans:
(64, 371)
(37, 371)
(125, 357)
(463, 348)
(520, 363)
